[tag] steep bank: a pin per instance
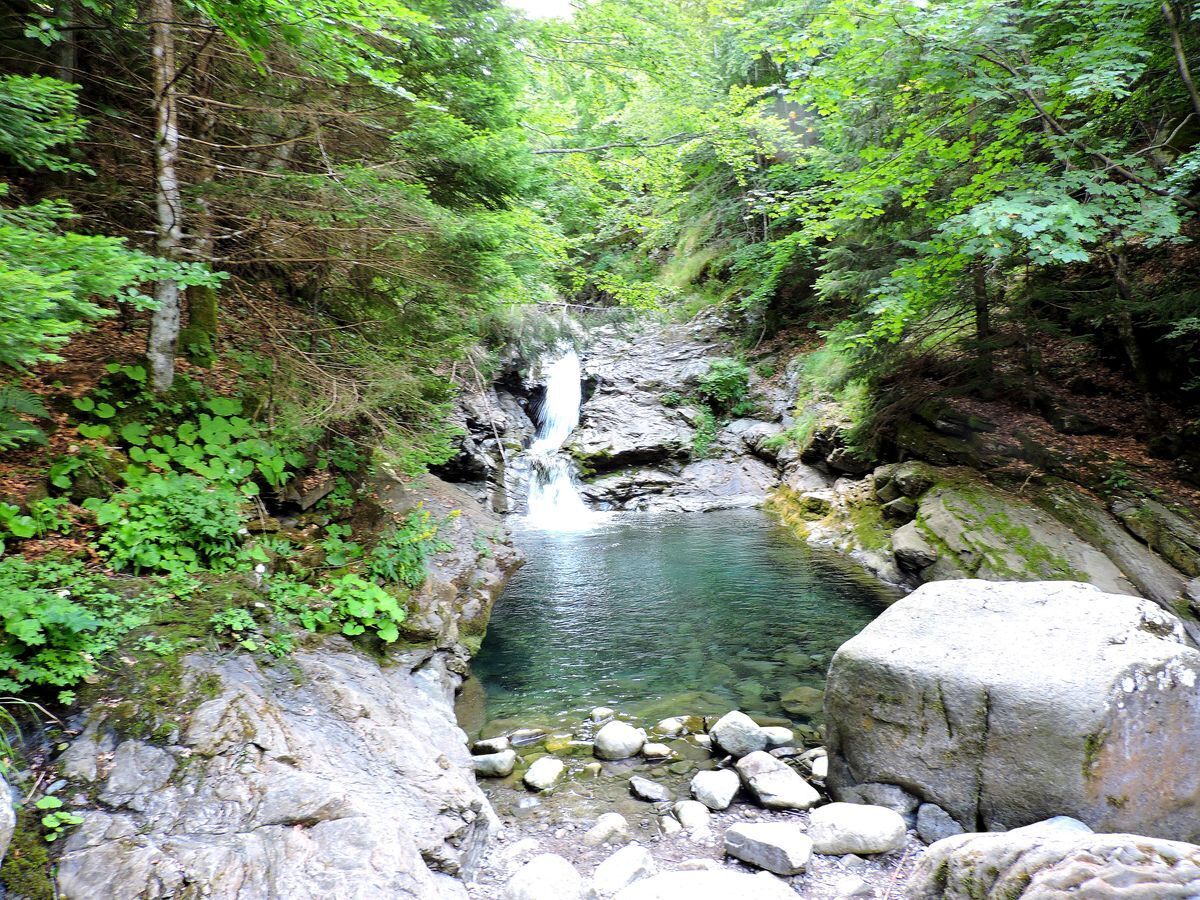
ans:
(332, 772)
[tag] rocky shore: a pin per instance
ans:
(935, 731)
(332, 773)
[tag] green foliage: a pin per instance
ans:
(52, 280)
(401, 556)
(56, 819)
(170, 523)
(51, 633)
(361, 606)
(17, 407)
(705, 432)
(725, 384)
(671, 399)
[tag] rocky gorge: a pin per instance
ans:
(1038, 684)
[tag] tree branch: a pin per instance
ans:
(681, 138)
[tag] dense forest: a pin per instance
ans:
(252, 246)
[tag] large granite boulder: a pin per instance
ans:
(1056, 859)
(1007, 703)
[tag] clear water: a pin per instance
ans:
(661, 615)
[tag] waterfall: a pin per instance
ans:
(554, 501)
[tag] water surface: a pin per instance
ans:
(670, 614)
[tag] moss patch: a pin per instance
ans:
(26, 871)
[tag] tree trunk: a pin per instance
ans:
(199, 339)
(983, 324)
(168, 206)
(68, 44)
(1124, 319)
(1181, 60)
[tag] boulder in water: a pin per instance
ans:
(1004, 703)
(618, 740)
(651, 791)
(495, 765)
(544, 773)
(737, 734)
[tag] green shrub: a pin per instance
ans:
(725, 385)
(706, 432)
(361, 605)
(401, 556)
(51, 637)
(671, 399)
(170, 523)
(17, 407)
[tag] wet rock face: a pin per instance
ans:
(1053, 859)
(1008, 703)
(327, 774)
(347, 778)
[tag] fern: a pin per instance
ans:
(17, 406)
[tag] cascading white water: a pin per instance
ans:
(554, 503)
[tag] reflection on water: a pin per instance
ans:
(671, 614)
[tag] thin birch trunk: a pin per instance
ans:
(163, 341)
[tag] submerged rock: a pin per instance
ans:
(1006, 703)
(1052, 859)
(841, 828)
(651, 791)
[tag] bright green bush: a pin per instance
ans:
(725, 385)
(401, 556)
(51, 636)
(170, 523)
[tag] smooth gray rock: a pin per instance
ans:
(618, 740)
(543, 773)
(623, 868)
(777, 736)
(491, 746)
(774, 784)
(546, 877)
(934, 823)
(889, 796)
(717, 788)
(1006, 703)
(737, 734)
(717, 884)
(1056, 861)
(778, 847)
(692, 815)
(610, 828)
(841, 828)
(650, 791)
(8, 817)
(912, 551)
(495, 765)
